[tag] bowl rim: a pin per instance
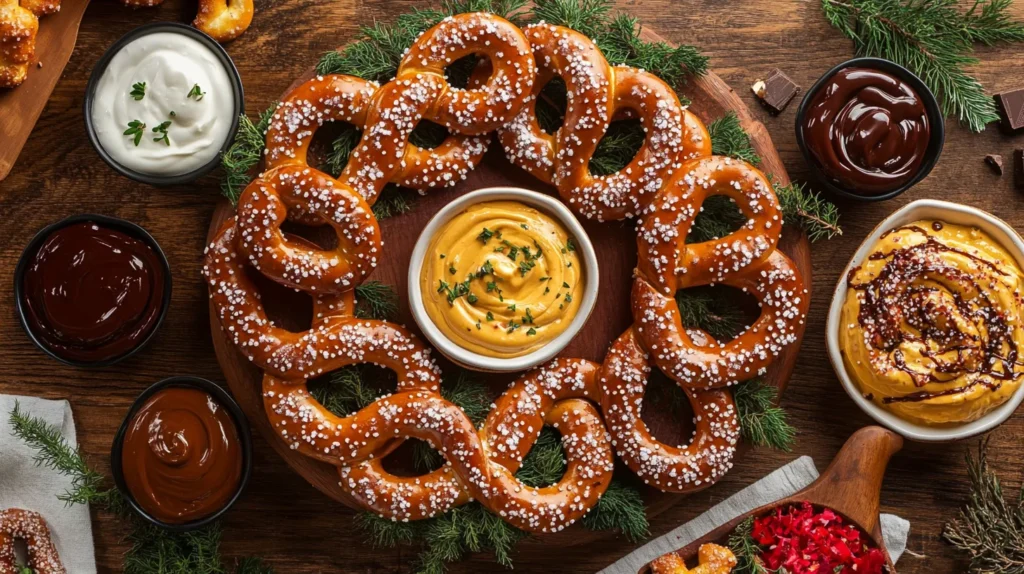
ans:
(244, 435)
(476, 361)
(123, 225)
(954, 213)
(936, 119)
(101, 66)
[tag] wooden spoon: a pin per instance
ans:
(851, 486)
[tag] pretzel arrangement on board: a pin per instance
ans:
(595, 406)
(29, 527)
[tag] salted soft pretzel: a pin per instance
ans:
(746, 259)
(598, 93)
(712, 558)
(552, 394)
(421, 92)
(222, 20)
(688, 468)
(18, 29)
(30, 528)
(41, 7)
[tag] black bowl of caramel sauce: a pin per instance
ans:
(183, 454)
(91, 290)
(870, 129)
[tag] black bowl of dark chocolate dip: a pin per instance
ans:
(92, 290)
(870, 129)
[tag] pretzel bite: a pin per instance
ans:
(18, 29)
(224, 20)
(30, 528)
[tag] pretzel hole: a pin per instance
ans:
(666, 410)
(719, 310)
(331, 145)
(287, 308)
(428, 135)
(414, 457)
(353, 387)
(458, 72)
(21, 555)
(618, 147)
(719, 216)
(551, 105)
(545, 463)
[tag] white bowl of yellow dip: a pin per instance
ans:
(502, 279)
(932, 362)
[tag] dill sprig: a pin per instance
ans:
(244, 153)
(762, 421)
(746, 550)
(935, 40)
(989, 528)
(152, 549)
(801, 207)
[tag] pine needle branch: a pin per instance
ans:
(989, 529)
(620, 508)
(244, 154)
(762, 421)
(700, 308)
(394, 201)
(803, 208)
(934, 39)
(746, 550)
(376, 300)
(729, 138)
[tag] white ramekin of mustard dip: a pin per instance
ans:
(502, 279)
(163, 104)
(927, 321)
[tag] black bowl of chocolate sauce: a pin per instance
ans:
(870, 129)
(92, 290)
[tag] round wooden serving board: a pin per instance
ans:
(615, 242)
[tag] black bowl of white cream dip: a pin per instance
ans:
(163, 103)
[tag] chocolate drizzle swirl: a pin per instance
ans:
(960, 330)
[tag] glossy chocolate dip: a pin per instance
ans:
(867, 130)
(182, 456)
(92, 293)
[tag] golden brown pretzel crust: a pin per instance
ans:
(30, 528)
(712, 558)
(688, 468)
(18, 29)
(746, 259)
(222, 20)
(599, 93)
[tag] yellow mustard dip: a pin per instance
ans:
(502, 279)
(932, 323)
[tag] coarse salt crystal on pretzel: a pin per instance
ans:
(552, 394)
(746, 259)
(598, 93)
(30, 528)
(688, 468)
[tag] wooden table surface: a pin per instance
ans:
(284, 519)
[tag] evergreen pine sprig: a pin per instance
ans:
(989, 529)
(376, 300)
(729, 138)
(762, 421)
(746, 550)
(152, 549)
(719, 316)
(244, 153)
(801, 207)
(934, 39)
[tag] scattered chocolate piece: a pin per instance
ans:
(995, 162)
(776, 91)
(1011, 111)
(1018, 168)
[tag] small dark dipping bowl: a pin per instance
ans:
(866, 102)
(128, 228)
(101, 67)
(244, 435)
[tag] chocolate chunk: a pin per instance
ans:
(1018, 169)
(995, 162)
(1011, 111)
(776, 91)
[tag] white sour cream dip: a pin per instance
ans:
(172, 66)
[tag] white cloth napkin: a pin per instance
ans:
(781, 483)
(23, 484)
